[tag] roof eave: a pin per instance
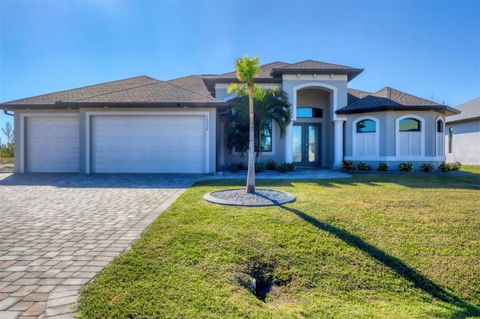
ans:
(77, 105)
(351, 73)
(462, 120)
(444, 108)
(235, 80)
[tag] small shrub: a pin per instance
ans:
(405, 167)
(271, 165)
(443, 167)
(455, 166)
(347, 165)
(363, 167)
(446, 167)
(426, 167)
(235, 167)
(260, 167)
(286, 167)
(382, 166)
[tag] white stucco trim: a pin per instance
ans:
(224, 86)
(396, 158)
(338, 143)
(377, 134)
(437, 151)
(422, 133)
(313, 85)
(23, 126)
(88, 116)
(337, 77)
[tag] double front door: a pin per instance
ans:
(306, 144)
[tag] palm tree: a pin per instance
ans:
(246, 69)
(271, 105)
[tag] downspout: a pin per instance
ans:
(6, 113)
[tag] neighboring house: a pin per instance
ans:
(143, 125)
(463, 134)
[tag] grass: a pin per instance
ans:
(373, 246)
(6, 160)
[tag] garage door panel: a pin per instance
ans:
(149, 144)
(52, 144)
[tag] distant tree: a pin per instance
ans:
(8, 131)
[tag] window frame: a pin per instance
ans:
(360, 132)
(414, 130)
(313, 111)
(354, 138)
(272, 151)
(422, 137)
(450, 140)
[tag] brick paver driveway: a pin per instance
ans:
(58, 231)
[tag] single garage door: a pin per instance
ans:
(148, 144)
(52, 144)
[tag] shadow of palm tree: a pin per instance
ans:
(420, 281)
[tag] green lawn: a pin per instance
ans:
(373, 246)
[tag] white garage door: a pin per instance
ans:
(148, 144)
(52, 144)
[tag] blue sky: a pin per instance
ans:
(430, 49)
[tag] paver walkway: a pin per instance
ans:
(58, 231)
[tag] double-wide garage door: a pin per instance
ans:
(148, 144)
(119, 144)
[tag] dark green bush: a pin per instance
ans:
(382, 166)
(271, 165)
(405, 167)
(426, 167)
(286, 167)
(347, 165)
(235, 167)
(363, 167)
(260, 167)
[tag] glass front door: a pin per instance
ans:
(306, 144)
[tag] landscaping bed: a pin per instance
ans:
(370, 246)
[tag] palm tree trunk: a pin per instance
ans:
(251, 145)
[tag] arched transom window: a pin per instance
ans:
(410, 125)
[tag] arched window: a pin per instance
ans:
(410, 125)
(440, 138)
(366, 126)
(365, 137)
(410, 140)
(439, 126)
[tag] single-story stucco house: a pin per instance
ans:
(463, 134)
(144, 125)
